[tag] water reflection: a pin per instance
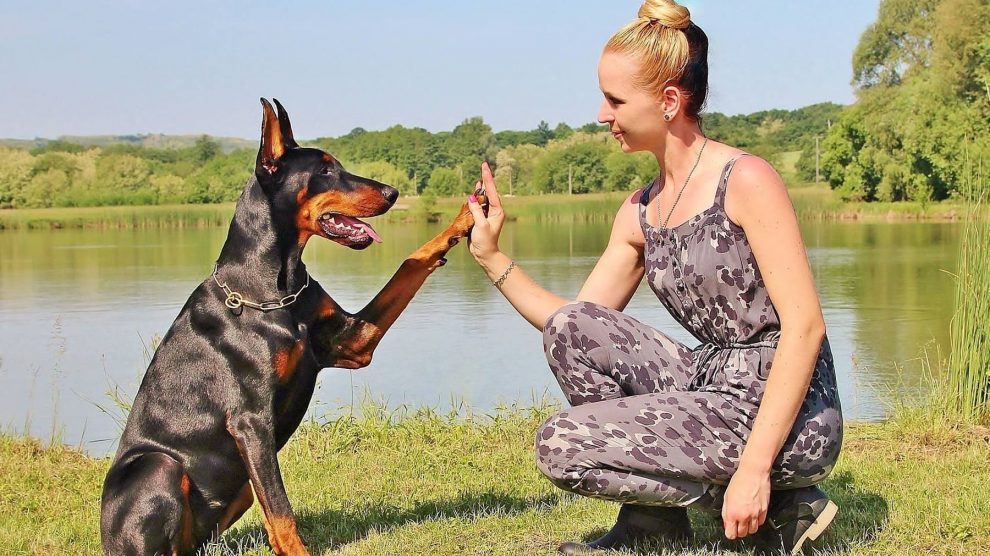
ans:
(78, 308)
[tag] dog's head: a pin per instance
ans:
(313, 188)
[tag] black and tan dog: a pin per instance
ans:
(234, 375)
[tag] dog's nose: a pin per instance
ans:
(390, 194)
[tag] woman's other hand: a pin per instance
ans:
(483, 239)
(744, 507)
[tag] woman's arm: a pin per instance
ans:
(612, 282)
(759, 203)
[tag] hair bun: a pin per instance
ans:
(666, 12)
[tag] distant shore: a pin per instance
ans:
(811, 203)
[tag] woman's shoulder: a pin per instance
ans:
(627, 219)
(752, 186)
(749, 171)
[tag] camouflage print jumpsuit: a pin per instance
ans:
(656, 422)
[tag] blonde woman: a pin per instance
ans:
(743, 425)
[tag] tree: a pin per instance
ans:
(576, 167)
(384, 172)
(923, 108)
(443, 182)
(543, 133)
(206, 149)
(15, 172)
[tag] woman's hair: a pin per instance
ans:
(671, 50)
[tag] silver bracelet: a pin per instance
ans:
(498, 283)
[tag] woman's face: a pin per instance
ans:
(635, 116)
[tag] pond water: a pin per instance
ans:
(80, 309)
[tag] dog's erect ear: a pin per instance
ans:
(272, 142)
(285, 125)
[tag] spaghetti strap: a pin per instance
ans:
(724, 180)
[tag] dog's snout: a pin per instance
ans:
(390, 194)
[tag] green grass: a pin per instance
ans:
(124, 217)
(812, 202)
(426, 483)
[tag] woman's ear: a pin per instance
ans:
(670, 102)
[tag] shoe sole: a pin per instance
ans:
(821, 523)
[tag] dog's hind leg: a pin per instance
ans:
(145, 508)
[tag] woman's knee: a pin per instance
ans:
(555, 452)
(814, 453)
(575, 329)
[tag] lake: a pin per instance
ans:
(80, 310)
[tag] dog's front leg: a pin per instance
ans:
(357, 336)
(255, 438)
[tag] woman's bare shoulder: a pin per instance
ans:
(754, 187)
(626, 225)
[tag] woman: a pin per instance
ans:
(655, 424)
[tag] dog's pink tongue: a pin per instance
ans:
(371, 232)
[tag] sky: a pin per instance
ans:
(178, 67)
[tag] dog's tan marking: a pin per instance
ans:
(184, 543)
(283, 535)
(287, 359)
(236, 509)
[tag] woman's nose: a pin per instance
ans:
(604, 114)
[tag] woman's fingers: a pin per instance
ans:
(488, 181)
(476, 211)
(730, 527)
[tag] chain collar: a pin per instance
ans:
(235, 300)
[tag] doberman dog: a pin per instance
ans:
(233, 377)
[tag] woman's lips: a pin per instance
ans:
(617, 134)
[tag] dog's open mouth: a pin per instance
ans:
(348, 230)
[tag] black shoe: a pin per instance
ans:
(636, 524)
(795, 517)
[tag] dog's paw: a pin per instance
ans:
(461, 226)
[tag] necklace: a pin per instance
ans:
(696, 161)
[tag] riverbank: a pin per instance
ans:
(812, 202)
(439, 484)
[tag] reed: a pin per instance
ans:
(968, 376)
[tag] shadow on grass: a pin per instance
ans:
(862, 515)
(330, 528)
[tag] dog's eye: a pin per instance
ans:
(326, 171)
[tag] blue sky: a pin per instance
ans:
(102, 67)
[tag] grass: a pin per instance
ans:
(426, 483)
(124, 217)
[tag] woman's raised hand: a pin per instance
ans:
(483, 240)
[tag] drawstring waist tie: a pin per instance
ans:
(705, 373)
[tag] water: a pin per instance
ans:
(79, 310)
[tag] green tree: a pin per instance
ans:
(443, 182)
(382, 171)
(206, 149)
(15, 173)
(577, 167)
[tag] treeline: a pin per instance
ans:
(920, 129)
(543, 160)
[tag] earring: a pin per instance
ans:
(667, 117)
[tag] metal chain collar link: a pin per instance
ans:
(235, 300)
